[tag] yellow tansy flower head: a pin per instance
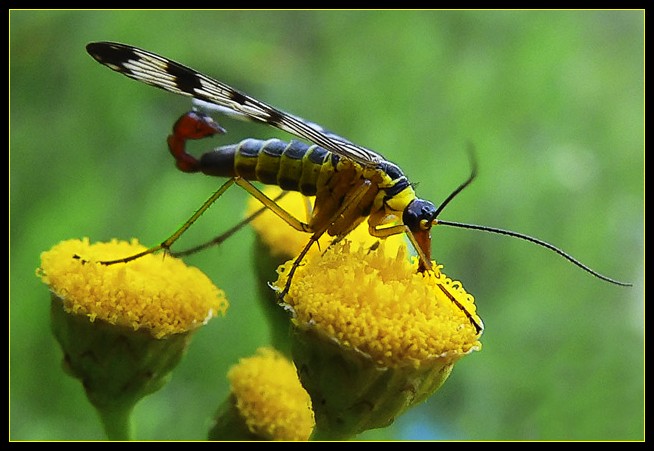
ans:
(373, 336)
(156, 293)
(382, 306)
(269, 397)
(124, 327)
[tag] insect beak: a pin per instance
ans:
(423, 247)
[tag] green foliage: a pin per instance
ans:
(553, 103)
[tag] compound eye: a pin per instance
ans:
(419, 215)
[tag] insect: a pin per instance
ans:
(351, 183)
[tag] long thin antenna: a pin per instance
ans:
(462, 186)
(537, 241)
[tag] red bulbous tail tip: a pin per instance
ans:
(191, 125)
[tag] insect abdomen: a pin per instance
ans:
(293, 166)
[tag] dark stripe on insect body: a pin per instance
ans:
(291, 168)
(275, 118)
(268, 162)
(397, 180)
(238, 97)
(314, 160)
(185, 82)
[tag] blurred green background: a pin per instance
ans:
(553, 103)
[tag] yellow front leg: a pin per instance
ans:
(378, 226)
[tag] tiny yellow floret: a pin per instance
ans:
(382, 306)
(156, 293)
(270, 398)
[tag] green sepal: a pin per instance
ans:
(116, 365)
(350, 393)
(230, 425)
(278, 318)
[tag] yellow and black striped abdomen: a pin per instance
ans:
(293, 166)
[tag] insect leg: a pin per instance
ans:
(273, 206)
(252, 190)
(378, 229)
(227, 234)
(341, 212)
(175, 236)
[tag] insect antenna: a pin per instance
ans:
(537, 241)
(462, 186)
(522, 236)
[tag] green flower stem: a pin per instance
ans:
(117, 421)
(278, 318)
(321, 434)
(117, 365)
(230, 424)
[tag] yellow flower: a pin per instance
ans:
(382, 306)
(156, 293)
(269, 397)
(372, 336)
(124, 327)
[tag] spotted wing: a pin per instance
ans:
(163, 73)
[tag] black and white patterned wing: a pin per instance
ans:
(163, 73)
